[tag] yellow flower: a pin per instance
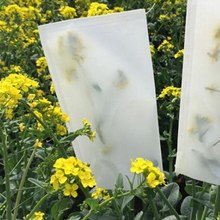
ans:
(155, 177)
(38, 216)
(87, 126)
(61, 130)
(71, 166)
(21, 127)
(152, 49)
(170, 91)
(100, 193)
(41, 64)
(140, 165)
(88, 181)
(75, 170)
(179, 54)
(166, 45)
(67, 12)
(52, 89)
(92, 136)
(58, 178)
(96, 8)
(37, 143)
(152, 180)
(70, 190)
(164, 17)
(86, 122)
(31, 97)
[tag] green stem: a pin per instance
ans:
(217, 203)
(193, 212)
(20, 189)
(56, 141)
(153, 206)
(106, 202)
(37, 206)
(174, 212)
(170, 151)
(204, 214)
(3, 137)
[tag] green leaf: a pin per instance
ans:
(204, 201)
(185, 208)
(38, 183)
(171, 217)
(171, 191)
(188, 188)
(59, 207)
(125, 201)
(75, 216)
(119, 182)
(92, 203)
(139, 215)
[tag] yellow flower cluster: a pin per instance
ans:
(38, 216)
(35, 3)
(100, 193)
(41, 64)
(49, 113)
(12, 89)
(69, 173)
(164, 17)
(88, 130)
(153, 175)
(37, 144)
(96, 8)
(67, 12)
(21, 82)
(179, 54)
(166, 45)
(170, 91)
(17, 86)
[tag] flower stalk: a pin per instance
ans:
(37, 206)
(3, 138)
(20, 189)
(174, 212)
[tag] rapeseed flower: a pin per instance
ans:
(67, 12)
(96, 8)
(38, 143)
(57, 179)
(100, 193)
(38, 216)
(70, 190)
(71, 170)
(140, 165)
(170, 91)
(179, 54)
(88, 130)
(153, 175)
(166, 45)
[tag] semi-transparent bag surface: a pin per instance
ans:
(102, 71)
(198, 153)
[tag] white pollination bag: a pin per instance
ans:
(198, 154)
(102, 71)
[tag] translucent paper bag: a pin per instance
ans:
(198, 153)
(102, 71)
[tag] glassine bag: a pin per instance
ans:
(102, 71)
(198, 154)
